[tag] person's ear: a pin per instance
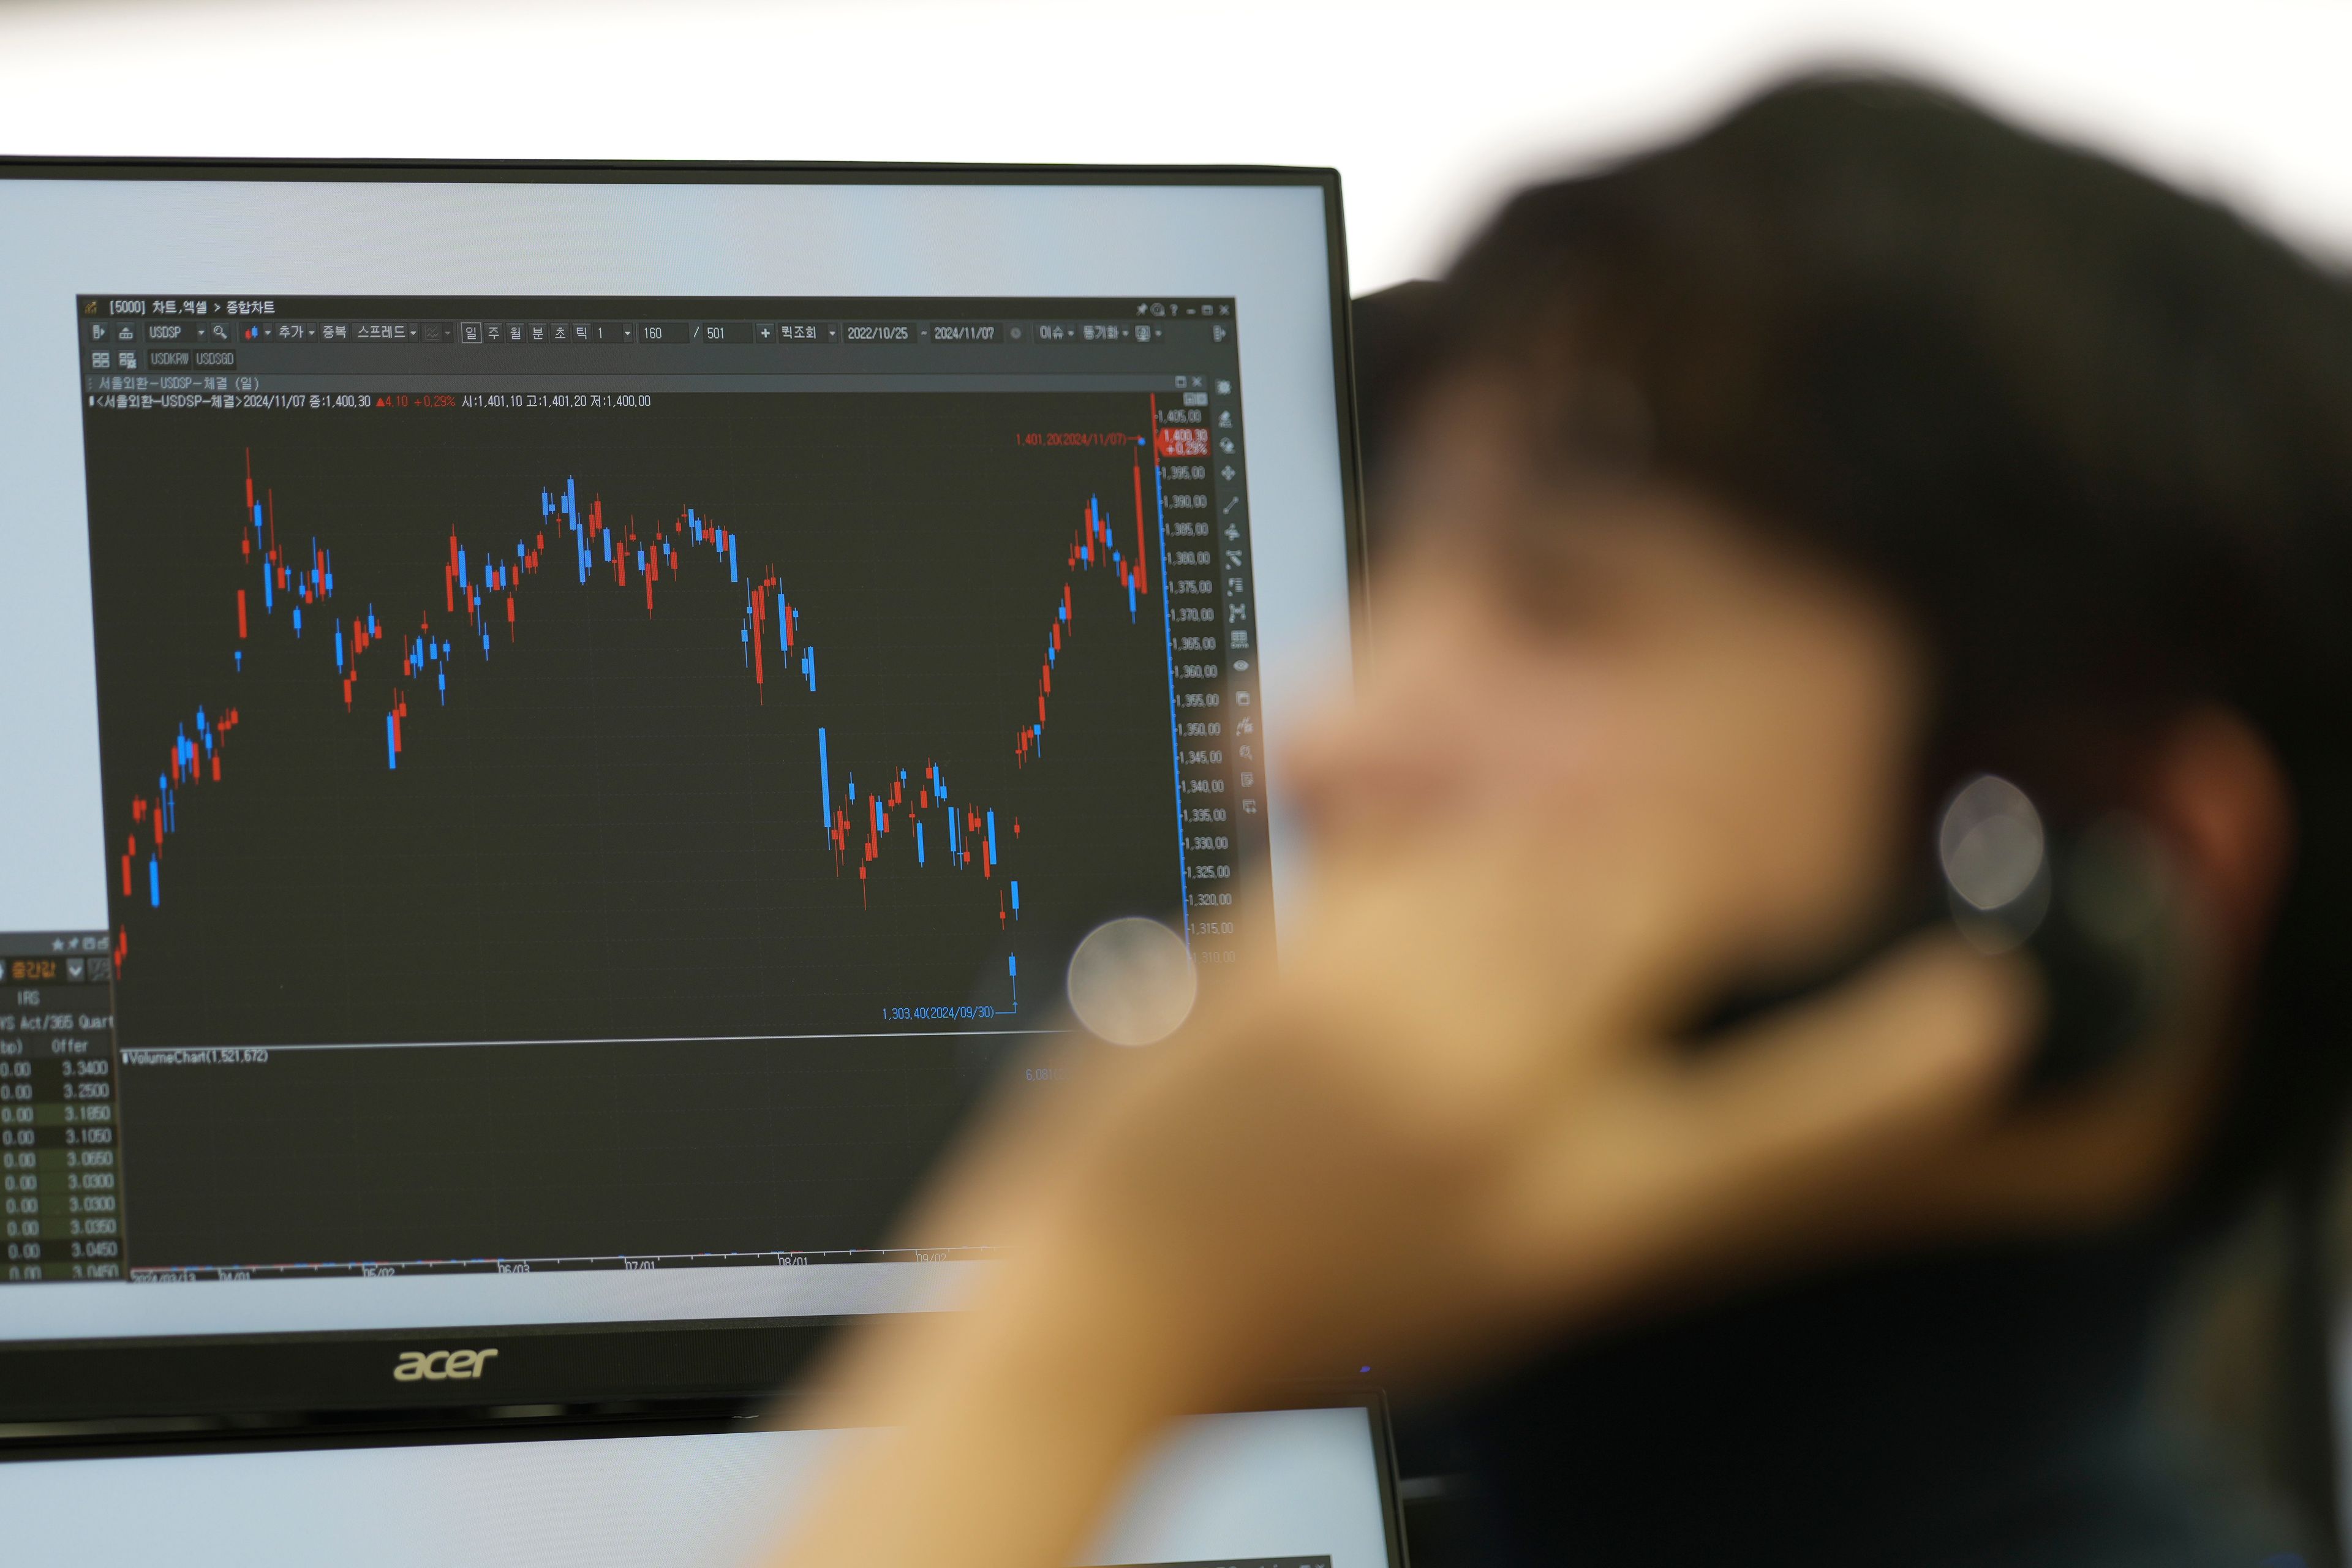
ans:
(2215, 791)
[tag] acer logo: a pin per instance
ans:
(438, 1366)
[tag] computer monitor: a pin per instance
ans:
(564, 722)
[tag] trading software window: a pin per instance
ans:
(600, 783)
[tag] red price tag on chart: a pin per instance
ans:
(1184, 441)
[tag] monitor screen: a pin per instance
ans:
(562, 728)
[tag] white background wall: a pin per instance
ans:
(1429, 109)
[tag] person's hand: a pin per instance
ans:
(1455, 1116)
(1459, 1115)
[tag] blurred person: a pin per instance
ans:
(1737, 502)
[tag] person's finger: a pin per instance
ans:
(1922, 1039)
(1748, 1149)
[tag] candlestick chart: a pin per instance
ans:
(717, 719)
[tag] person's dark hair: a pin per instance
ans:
(1400, 332)
(2096, 434)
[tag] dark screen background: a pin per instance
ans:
(606, 834)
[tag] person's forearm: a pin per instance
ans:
(1008, 1427)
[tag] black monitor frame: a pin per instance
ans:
(119, 1395)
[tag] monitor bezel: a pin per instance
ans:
(739, 1415)
(101, 1395)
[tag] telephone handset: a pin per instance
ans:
(2095, 909)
